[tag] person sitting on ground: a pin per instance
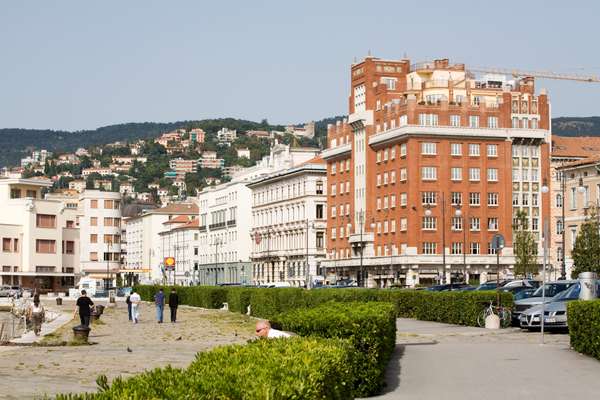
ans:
(263, 329)
(35, 314)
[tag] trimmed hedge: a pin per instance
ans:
(460, 308)
(296, 368)
(370, 328)
(583, 318)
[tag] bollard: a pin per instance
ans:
(59, 301)
(587, 280)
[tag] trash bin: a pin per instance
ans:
(81, 333)
(94, 316)
(588, 285)
(100, 309)
(59, 301)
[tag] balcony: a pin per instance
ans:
(231, 222)
(218, 225)
(202, 228)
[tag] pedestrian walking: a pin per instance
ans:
(128, 301)
(135, 300)
(173, 304)
(159, 301)
(84, 307)
(35, 314)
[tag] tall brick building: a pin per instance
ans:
(431, 163)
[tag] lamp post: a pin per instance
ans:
(459, 213)
(563, 265)
(546, 238)
(361, 221)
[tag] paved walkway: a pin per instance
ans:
(443, 361)
(121, 348)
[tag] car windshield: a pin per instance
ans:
(552, 289)
(569, 294)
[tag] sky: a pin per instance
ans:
(81, 65)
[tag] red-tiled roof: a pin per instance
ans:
(578, 146)
(585, 161)
(315, 160)
(180, 219)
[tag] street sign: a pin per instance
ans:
(169, 263)
(498, 242)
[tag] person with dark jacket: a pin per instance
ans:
(84, 307)
(173, 304)
(128, 301)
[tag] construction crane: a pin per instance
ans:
(517, 73)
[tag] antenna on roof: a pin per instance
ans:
(369, 53)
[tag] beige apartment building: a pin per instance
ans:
(40, 237)
(582, 195)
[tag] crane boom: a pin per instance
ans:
(537, 74)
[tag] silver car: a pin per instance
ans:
(555, 312)
(551, 288)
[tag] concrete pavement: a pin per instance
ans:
(443, 361)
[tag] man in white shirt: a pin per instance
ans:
(263, 329)
(135, 303)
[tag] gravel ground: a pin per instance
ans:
(27, 372)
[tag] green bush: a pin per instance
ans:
(455, 307)
(370, 327)
(297, 368)
(583, 318)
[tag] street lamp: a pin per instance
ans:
(458, 213)
(546, 238)
(217, 243)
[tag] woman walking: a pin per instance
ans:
(135, 304)
(35, 313)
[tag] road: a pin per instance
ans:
(440, 361)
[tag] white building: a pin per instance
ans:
(289, 224)
(225, 218)
(243, 153)
(100, 224)
(144, 255)
(180, 240)
(226, 136)
(40, 237)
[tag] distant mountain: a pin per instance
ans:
(18, 143)
(576, 126)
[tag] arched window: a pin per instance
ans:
(559, 200)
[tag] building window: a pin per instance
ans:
(492, 199)
(93, 256)
(429, 223)
(393, 153)
(403, 199)
(428, 148)
(428, 119)
(456, 198)
(428, 198)
(492, 122)
(385, 178)
(429, 248)
(455, 120)
(378, 156)
(573, 198)
(333, 168)
(333, 211)
(93, 203)
(15, 193)
(473, 121)
(534, 123)
(456, 223)
(559, 200)
(492, 174)
(474, 199)
(320, 240)
(403, 150)
(475, 248)
(492, 150)
(319, 211)
(559, 226)
(525, 123)
(45, 246)
(403, 120)
(515, 199)
(69, 247)
(385, 155)
(403, 174)
(456, 248)
(525, 199)
(515, 122)
(475, 224)
(474, 150)
(319, 187)
(108, 204)
(6, 245)
(333, 233)
(474, 174)
(378, 203)
(403, 224)
(333, 189)
(534, 199)
(393, 226)
(428, 173)
(492, 224)
(456, 173)
(392, 177)
(93, 238)
(393, 201)
(455, 149)
(45, 221)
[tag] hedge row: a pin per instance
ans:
(583, 318)
(370, 328)
(460, 308)
(297, 368)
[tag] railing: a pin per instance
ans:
(231, 222)
(202, 228)
(218, 225)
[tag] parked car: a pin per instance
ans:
(446, 287)
(521, 283)
(551, 290)
(5, 291)
(523, 294)
(555, 312)
(488, 286)
(16, 291)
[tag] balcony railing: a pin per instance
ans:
(231, 222)
(218, 225)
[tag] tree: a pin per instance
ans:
(587, 246)
(524, 246)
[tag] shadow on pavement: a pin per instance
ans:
(392, 374)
